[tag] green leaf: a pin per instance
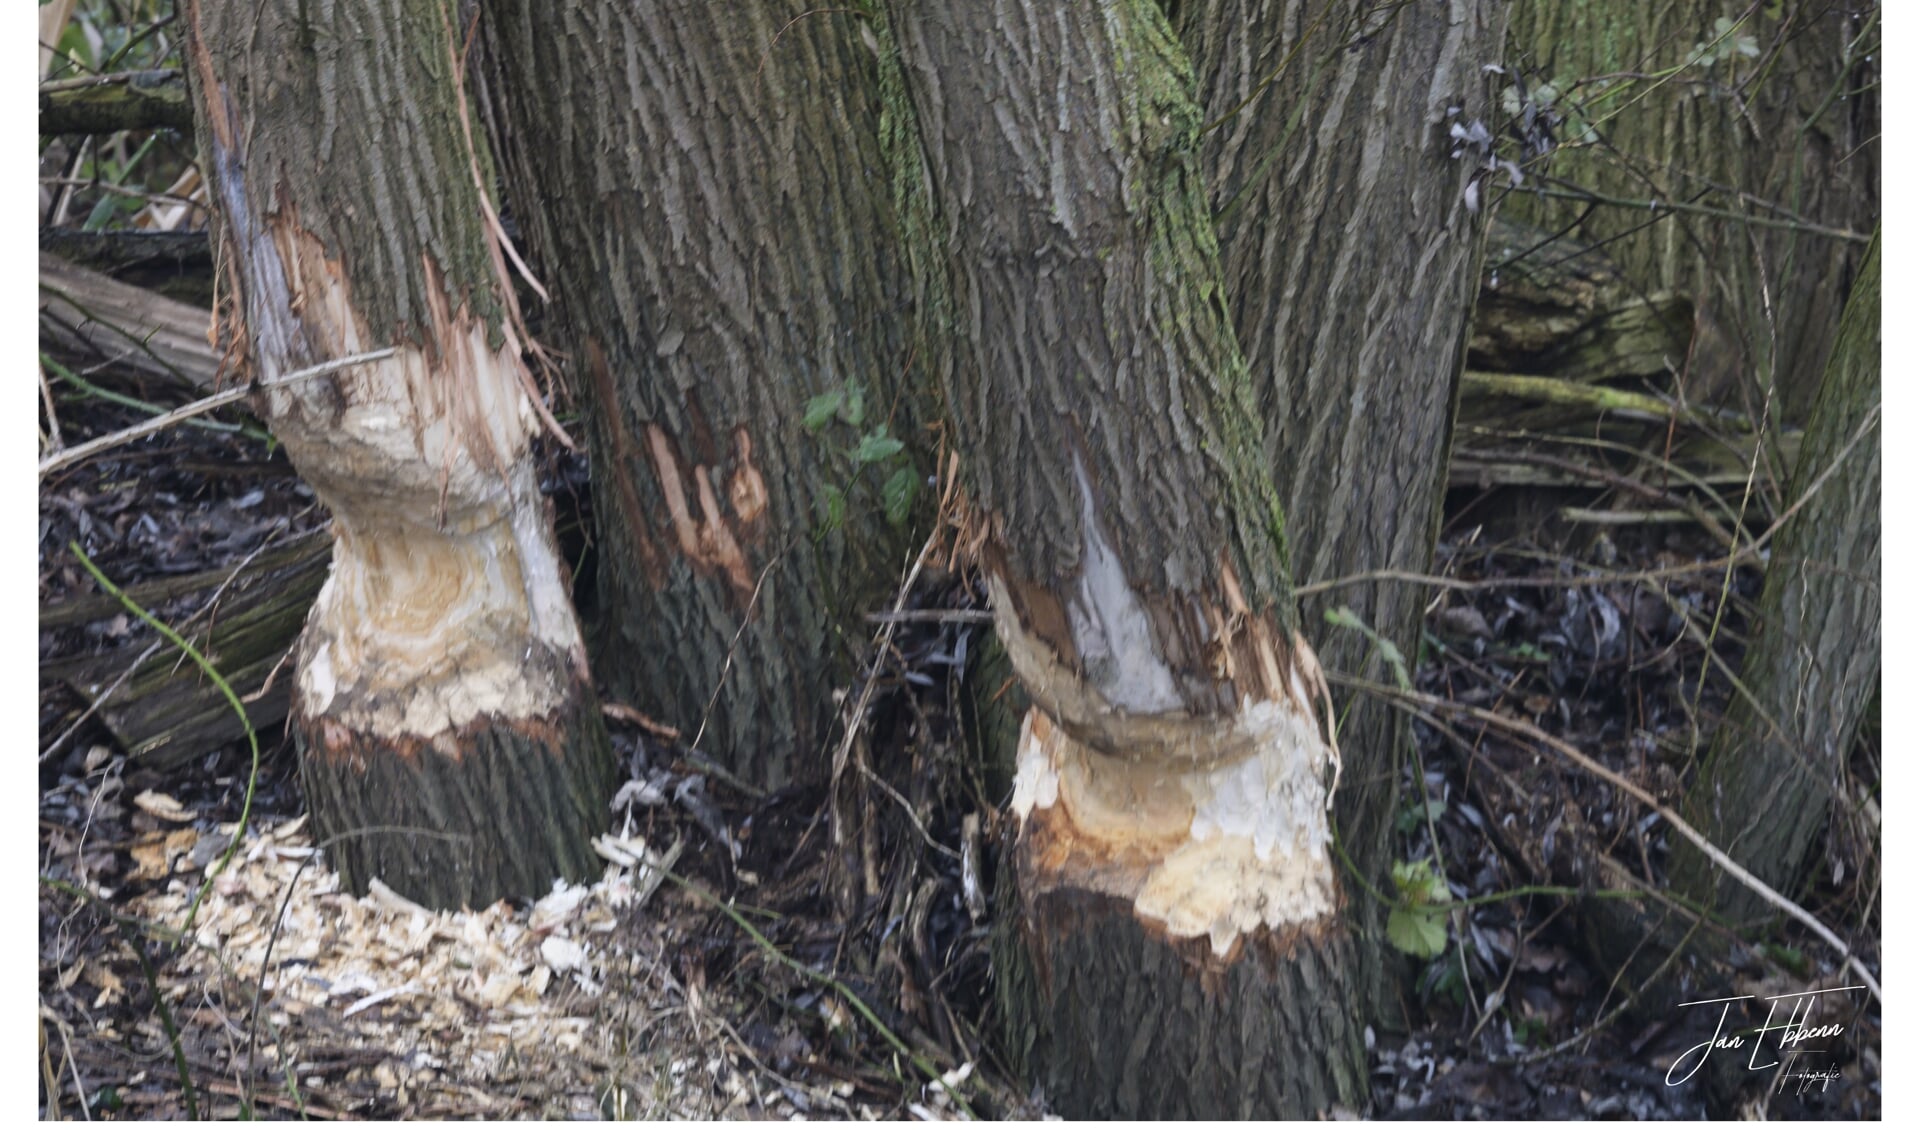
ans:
(1419, 884)
(1414, 817)
(1343, 617)
(1422, 933)
(899, 493)
(833, 502)
(876, 445)
(821, 409)
(855, 410)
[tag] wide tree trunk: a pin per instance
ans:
(1764, 115)
(1778, 761)
(1351, 260)
(442, 684)
(703, 190)
(1183, 953)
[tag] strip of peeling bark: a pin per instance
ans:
(441, 684)
(702, 194)
(1171, 849)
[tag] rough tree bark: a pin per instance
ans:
(1777, 764)
(1785, 141)
(706, 196)
(1351, 263)
(442, 683)
(1183, 949)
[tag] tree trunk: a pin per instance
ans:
(703, 192)
(1351, 262)
(441, 684)
(1779, 759)
(1783, 140)
(1182, 952)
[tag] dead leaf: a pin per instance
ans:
(104, 979)
(154, 855)
(165, 807)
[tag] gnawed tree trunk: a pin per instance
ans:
(1767, 114)
(1778, 761)
(441, 682)
(1351, 263)
(1182, 949)
(704, 193)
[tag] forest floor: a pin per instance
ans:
(732, 962)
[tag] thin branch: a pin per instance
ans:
(1720, 858)
(217, 400)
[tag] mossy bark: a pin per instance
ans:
(441, 692)
(1778, 763)
(704, 194)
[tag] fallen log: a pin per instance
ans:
(131, 100)
(167, 712)
(92, 318)
(1551, 306)
(176, 264)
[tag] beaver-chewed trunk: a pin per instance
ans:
(1176, 947)
(450, 740)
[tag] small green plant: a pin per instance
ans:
(1414, 816)
(1418, 923)
(860, 449)
(1529, 1031)
(1344, 617)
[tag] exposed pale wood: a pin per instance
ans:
(450, 740)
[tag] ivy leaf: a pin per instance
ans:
(899, 492)
(834, 502)
(821, 409)
(1414, 816)
(875, 446)
(854, 411)
(1419, 924)
(1422, 933)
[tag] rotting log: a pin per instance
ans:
(134, 100)
(449, 739)
(87, 315)
(175, 264)
(1552, 305)
(168, 712)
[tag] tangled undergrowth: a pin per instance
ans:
(823, 951)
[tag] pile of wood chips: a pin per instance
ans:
(482, 1012)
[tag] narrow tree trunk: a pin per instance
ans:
(442, 684)
(703, 191)
(1682, 113)
(1778, 760)
(1181, 948)
(1352, 261)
